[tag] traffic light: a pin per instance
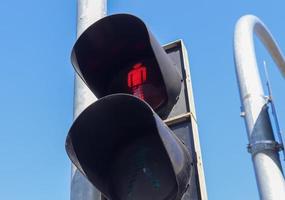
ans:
(127, 152)
(120, 143)
(118, 54)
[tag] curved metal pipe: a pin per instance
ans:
(262, 144)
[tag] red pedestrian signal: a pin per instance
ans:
(136, 79)
(118, 54)
(137, 75)
(143, 83)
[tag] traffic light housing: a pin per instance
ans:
(118, 54)
(127, 152)
(119, 142)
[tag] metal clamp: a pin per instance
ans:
(263, 145)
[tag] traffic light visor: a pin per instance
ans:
(118, 54)
(118, 144)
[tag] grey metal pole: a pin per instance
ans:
(88, 11)
(262, 145)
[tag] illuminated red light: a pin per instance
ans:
(137, 76)
(143, 81)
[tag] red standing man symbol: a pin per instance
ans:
(136, 78)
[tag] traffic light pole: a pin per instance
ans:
(88, 11)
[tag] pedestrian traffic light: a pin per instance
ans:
(127, 152)
(118, 54)
(120, 143)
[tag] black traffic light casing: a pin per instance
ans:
(120, 143)
(127, 152)
(107, 53)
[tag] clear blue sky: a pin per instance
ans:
(36, 84)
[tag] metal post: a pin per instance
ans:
(88, 11)
(262, 145)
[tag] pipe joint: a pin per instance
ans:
(264, 145)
